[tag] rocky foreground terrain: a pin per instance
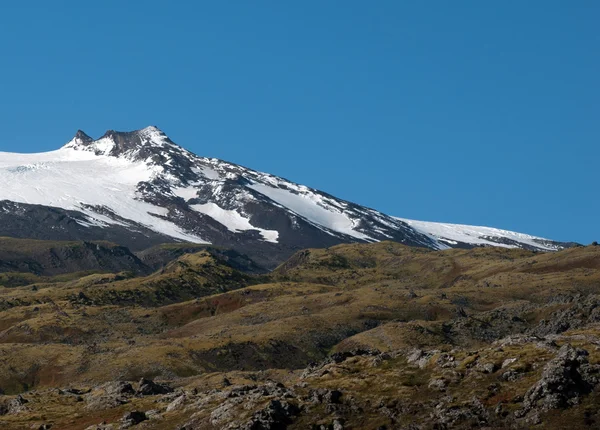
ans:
(358, 336)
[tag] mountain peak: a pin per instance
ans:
(82, 136)
(151, 129)
(80, 139)
(118, 143)
(143, 134)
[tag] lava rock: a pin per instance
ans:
(150, 388)
(565, 378)
(275, 416)
(133, 418)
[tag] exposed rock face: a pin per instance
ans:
(29, 221)
(580, 311)
(55, 258)
(565, 378)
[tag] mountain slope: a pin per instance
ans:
(459, 236)
(51, 258)
(140, 189)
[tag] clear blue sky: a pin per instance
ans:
(474, 112)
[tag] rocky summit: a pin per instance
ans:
(140, 189)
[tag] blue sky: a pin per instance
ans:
(472, 112)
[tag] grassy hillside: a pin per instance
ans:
(435, 328)
(51, 258)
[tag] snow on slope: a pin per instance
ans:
(233, 220)
(312, 207)
(142, 177)
(72, 179)
(451, 234)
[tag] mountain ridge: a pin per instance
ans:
(153, 190)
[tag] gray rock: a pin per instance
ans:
(438, 384)
(147, 387)
(153, 414)
(565, 378)
(508, 362)
(132, 418)
(338, 424)
(17, 405)
(177, 403)
(119, 388)
(275, 416)
(420, 358)
(446, 361)
(487, 367)
(323, 395)
(471, 414)
(511, 375)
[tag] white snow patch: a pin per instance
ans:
(70, 179)
(476, 235)
(104, 145)
(207, 172)
(234, 221)
(310, 206)
(186, 193)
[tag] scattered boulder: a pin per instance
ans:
(419, 357)
(275, 416)
(438, 384)
(226, 411)
(133, 418)
(511, 375)
(338, 424)
(565, 378)
(446, 361)
(109, 395)
(323, 395)
(148, 387)
(467, 415)
(322, 368)
(17, 405)
(508, 362)
(118, 388)
(486, 367)
(177, 403)
(153, 414)
(517, 339)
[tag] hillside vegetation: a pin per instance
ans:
(361, 336)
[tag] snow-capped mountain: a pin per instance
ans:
(139, 188)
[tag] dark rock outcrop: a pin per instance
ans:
(564, 380)
(147, 387)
